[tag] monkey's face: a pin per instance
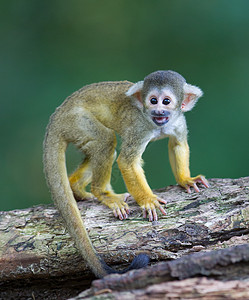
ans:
(160, 105)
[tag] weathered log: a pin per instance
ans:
(35, 246)
(194, 288)
(224, 264)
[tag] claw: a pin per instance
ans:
(150, 215)
(161, 200)
(154, 215)
(196, 188)
(188, 189)
(119, 214)
(127, 210)
(204, 181)
(124, 214)
(162, 210)
(115, 213)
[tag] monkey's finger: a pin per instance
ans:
(115, 213)
(119, 214)
(162, 209)
(188, 189)
(154, 214)
(144, 213)
(196, 188)
(161, 200)
(127, 210)
(150, 214)
(204, 181)
(125, 216)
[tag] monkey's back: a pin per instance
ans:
(106, 101)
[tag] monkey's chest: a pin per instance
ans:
(159, 134)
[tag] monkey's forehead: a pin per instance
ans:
(164, 90)
(160, 78)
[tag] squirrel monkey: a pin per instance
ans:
(142, 112)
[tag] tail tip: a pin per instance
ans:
(140, 261)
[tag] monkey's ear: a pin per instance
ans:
(191, 95)
(135, 90)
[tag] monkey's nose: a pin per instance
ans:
(160, 112)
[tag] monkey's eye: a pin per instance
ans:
(166, 101)
(153, 101)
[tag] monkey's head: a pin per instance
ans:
(164, 94)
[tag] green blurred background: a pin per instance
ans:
(49, 49)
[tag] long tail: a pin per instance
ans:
(56, 174)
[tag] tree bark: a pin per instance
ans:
(38, 258)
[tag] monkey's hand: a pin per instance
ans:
(189, 182)
(118, 205)
(149, 207)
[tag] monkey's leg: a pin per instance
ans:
(179, 160)
(80, 179)
(108, 185)
(98, 143)
(102, 155)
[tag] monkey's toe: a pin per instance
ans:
(149, 208)
(116, 202)
(120, 213)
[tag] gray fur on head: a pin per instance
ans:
(170, 79)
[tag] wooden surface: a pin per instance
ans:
(35, 246)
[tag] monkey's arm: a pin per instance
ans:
(138, 187)
(179, 160)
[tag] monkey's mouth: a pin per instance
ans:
(160, 120)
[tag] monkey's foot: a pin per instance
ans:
(81, 194)
(192, 182)
(118, 205)
(149, 207)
